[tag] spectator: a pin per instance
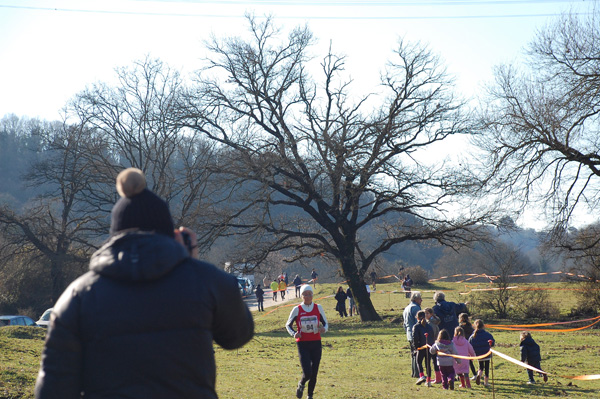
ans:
(530, 354)
(423, 338)
(141, 322)
(313, 277)
(407, 285)
(260, 298)
(341, 297)
(410, 319)
(482, 341)
(351, 302)
(297, 284)
(447, 312)
(464, 348)
(463, 321)
(434, 322)
(446, 363)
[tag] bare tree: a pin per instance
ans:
(540, 131)
(136, 120)
(310, 171)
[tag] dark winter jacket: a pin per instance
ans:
(141, 324)
(448, 313)
(419, 339)
(260, 294)
(530, 351)
(467, 328)
(480, 342)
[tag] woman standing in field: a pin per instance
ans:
(310, 324)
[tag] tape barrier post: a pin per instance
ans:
(427, 363)
(492, 367)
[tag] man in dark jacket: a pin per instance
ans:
(141, 322)
(447, 312)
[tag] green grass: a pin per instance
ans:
(360, 360)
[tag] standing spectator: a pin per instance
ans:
(282, 289)
(274, 288)
(444, 345)
(410, 319)
(463, 321)
(297, 284)
(351, 302)
(313, 277)
(155, 339)
(340, 297)
(407, 285)
(447, 311)
(530, 354)
(434, 322)
(310, 324)
(422, 337)
(464, 348)
(374, 280)
(285, 278)
(482, 341)
(260, 298)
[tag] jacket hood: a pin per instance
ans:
(527, 341)
(446, 306)
(459, 341)
(444, 344)
(137, 256)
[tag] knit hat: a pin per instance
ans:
(305, 287)
(138, 207)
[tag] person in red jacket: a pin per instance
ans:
(310, 321)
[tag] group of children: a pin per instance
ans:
(433, 345)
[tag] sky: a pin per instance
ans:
(51, 49)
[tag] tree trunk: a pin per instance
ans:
(359, 291)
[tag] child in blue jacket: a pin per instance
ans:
(482, 341)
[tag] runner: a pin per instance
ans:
(310, 324)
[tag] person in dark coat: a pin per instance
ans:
(447, 312)
(297, 284)
(142, 321)
(463, 321)
(422, 336)
(482, 341)
(530, 354)
(260, 298)
(341, 297)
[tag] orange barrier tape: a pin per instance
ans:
(465, 357)
(498, 327)
(526, 326)
(472, 276)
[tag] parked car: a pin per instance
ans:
(246, 286)
(16, 321)
(44, 319)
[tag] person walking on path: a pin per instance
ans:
(313, 277)
(274, 288)
(410, 319)
(282, 289)
(464, 348)
(260, 298)
(340, 297)
(482, 341)
(423, 339)
(442, 346)
(310, 322)
(297, 284)
(407, 285)
(160, 311)
(530, 354)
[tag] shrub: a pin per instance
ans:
(418, 275)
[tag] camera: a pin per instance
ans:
(187, 241)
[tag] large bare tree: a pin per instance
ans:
(540, 131)
(311, 172)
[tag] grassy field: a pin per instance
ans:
(360, 360)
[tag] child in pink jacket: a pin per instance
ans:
(464, 348)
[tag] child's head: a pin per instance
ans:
(459, 332)
(428, 313)
(421, 316)
(479, 324)
(463, 318)
(525, 334)
(443, 335)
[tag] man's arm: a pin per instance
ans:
(233, 323)
(60, 371)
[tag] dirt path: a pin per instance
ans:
(289, 297)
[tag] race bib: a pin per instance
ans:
(309, 324)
